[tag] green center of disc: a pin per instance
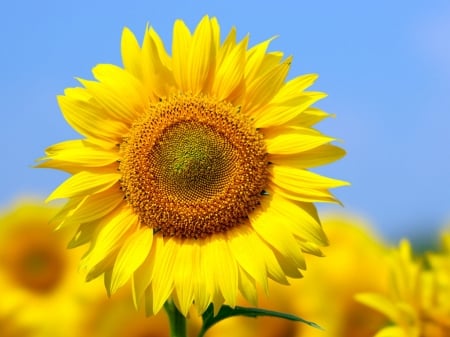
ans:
(193, 161)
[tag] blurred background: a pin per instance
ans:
(385, 65)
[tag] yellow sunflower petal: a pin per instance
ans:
(226, 265)
(271, 61)
(299, 218)
(294, 140)
(266, 225)
(163, 56)
(230, 72)
(84, 183)
(84, 233)
(228, 45)
(255, 58)
(212, 274)
(295, 179)
(114, 81)
(247, 287)
(304, 195)
(131, 53)
(294, 88)
(94, 207)
(85, 117)
(156, 76)
(132, 254)
(200, 57)
(149, 302)
(243, 245)
(142, 277)
(66, 210)
(311, 248)
(288, 265)
(320, 155)
(263, 88)
(180, 50)
(183, 279)
(81, 153)
(163, 272)
(281, 113)
(205, 289)
(77, 144)
(309, 117)
(115, 228)
(245, 242)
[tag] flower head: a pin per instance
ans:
(192, 178)
(418, 301)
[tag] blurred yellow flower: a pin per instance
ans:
(418, 300)
(10, 325)
(192, 180)
(117, 317)
(41, 292)
(326, 295)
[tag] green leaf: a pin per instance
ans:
(225, 312)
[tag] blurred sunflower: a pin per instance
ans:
(192, 180)
(347, 270)
(42, 294)
(326, 294)
(418, 301)
(118, 318)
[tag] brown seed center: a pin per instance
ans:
(193, 167)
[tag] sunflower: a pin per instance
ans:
(39, 282)
(418, 301)
(192, 178)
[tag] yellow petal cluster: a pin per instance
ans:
(418, 300)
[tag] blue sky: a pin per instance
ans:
(385, 65)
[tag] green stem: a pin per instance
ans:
(202, 331)
(176, 320)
